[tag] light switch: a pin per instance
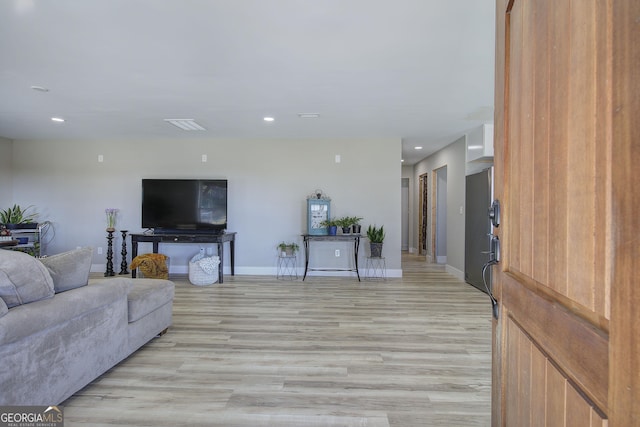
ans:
(204, 158)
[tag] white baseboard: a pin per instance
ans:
(459, 274)
(260, 271)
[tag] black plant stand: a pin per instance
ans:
(123, 263)
(109, 271)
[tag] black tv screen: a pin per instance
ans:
(184, 204)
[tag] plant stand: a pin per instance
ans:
(375, 268)
(287, 267)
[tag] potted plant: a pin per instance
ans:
(345, 223)
(331, 225)
(288, 249)
(16, 217)
(355, 224)
(376, 237)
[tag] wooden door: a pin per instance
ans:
(566, 346)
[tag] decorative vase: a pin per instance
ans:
(355, 228)
(333, 230)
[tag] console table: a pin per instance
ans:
(157, 238)
(307, 238)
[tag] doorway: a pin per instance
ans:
(439, 216)
(424, 215)
(405, 212)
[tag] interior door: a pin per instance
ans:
(566, 140)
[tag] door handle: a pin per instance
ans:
(494, 213)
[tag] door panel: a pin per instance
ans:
(553, 175)
(580, 160)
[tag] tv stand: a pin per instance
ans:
(194, 232)
(187, 237)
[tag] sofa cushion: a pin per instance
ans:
(23, 279)
(146, 295)
(3, 308)
(69, 270)
(31, 319)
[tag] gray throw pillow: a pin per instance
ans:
(3, 308)
(69, 270)
(23, 279)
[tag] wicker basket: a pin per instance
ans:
(203, 270)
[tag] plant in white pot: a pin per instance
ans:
(288, 249)
(376, 237)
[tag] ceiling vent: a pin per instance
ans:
(185, 124)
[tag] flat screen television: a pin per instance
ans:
(184, 205)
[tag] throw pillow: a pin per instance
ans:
(3, 308)
(69, 270)
(23, 279)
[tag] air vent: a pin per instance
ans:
(185, 124)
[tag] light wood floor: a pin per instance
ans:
(256, 351)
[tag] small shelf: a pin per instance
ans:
(376, 268)
(287, 267)
(35, 245)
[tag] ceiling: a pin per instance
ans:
(419, 70)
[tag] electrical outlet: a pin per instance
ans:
(337, 252)
(99, 250)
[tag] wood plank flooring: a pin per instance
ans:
(257, 351)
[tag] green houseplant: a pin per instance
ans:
(17, 217)
(288, 248)
(355, 224)
(332, 226)
(345, 223)
(376, 238)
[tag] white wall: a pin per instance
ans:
(6, 152)
(453, 157)
(269, 181)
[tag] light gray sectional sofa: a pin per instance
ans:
(59, 330)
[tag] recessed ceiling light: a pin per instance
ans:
(308, 115)
(40, 88)
(401, 160)
(418, 148)
(57, 119)
(185, 124)
(269, 119)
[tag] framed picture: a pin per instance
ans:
(318, 210)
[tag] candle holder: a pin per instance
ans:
(109, 271)
(123, 252)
